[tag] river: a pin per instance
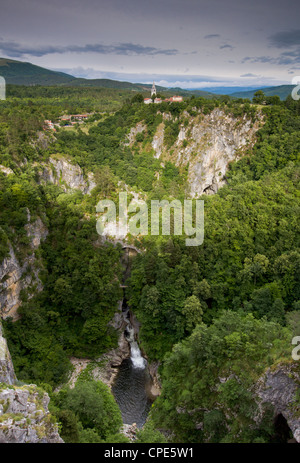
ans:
(131, 387)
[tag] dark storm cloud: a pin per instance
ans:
(286, 39)
(289, 58)
(17, 50)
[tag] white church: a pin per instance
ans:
(173, 99)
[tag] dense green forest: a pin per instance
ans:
(233, 343)
(227, 307)
(248, 261)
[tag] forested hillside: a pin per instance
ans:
(26, 74)
(215, 317)
(283, 91)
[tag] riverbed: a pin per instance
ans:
(132, 385)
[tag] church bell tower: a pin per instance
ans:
(153, 89)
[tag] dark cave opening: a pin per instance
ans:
(283, 433)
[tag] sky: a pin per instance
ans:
(184, 43)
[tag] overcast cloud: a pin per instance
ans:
(191, 43)
(19, 50)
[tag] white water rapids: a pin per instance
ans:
(135, 354)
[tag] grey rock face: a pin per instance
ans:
(140, 127)
(156, 380)
(11, 285)
(15, 276)
(279, 388)
(129, 431)
(207, 144)
(158, 141)
(24, 416)
(111, 361)
(7, 373)
(6, 170)
(36, 231)
(67, 175)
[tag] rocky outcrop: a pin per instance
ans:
(15, 277)
(109, 362)
(280, 388)
(6, 170)
(155, 378)
(158, 140)
(129, 431)
(7, 373)
(139, 128)
(36, 231)
(62, 172)
(11, 285)
(277, 391)
(207, 144)
(43, 140)
(24, 416)
(105, 368)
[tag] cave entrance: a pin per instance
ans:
(282, 430)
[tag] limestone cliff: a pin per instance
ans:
(7, 373)
(16, 276)
(24, 416)
(69, 176)
(279, 387)
(139, 128)
(213, 140)
(205, 145)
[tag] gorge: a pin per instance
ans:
(84, 324)
(132, 384)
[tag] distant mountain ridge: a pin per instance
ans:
(24, 73)
(281, 90)
(21, 73)
(230, 90)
